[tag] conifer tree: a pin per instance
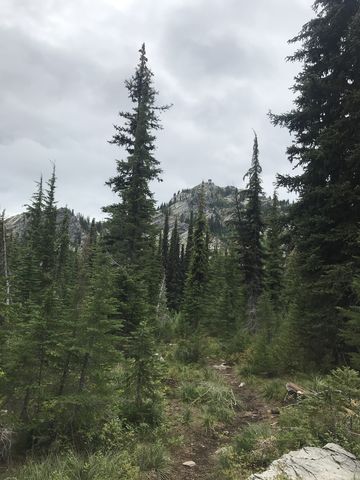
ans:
(351, 330)
(232, 308)
(324, 123)
(130, 220)
(274, 264)
(142, 380)
(194, 305)
(248, 225)
(130, 232)
(182, 272)
(173, 270)
(165, 240)
(189, 242)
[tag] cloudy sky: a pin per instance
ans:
(63, 63)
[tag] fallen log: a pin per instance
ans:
(294, 391)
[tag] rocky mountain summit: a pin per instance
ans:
(219, 204)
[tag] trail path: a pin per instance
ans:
(200, 446)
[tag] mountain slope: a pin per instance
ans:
(219, 204)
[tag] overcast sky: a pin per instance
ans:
(63, 64)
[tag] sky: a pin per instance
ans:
(221, 63)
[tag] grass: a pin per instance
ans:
(112, 466)
(212, 396)
(152, 458)
(330, 413)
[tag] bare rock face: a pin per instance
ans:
(311, 463)
(79, 226)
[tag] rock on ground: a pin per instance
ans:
(311, 463)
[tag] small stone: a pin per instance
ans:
(189, 464)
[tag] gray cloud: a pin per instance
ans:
(62, 66)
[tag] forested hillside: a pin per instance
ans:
(205, 337)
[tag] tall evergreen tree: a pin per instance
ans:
(194, 305)
(274, 264)
(165, 240)
(325, 124)
(130, 223)
(173, 270)
(189, 242)
(248, 224)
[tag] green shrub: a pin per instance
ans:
(330, 414)
(274, 390)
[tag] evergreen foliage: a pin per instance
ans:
(324, 124)
(248, 225)
(130, 220)
(165, 240)
(351, 330)
(173, 271)
(142, 403)
(274, 261)
(194, 305)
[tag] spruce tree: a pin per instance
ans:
(130, 221)
(130, 232)
(195, 298)
(325, 125)
(173, 270)
(142, 380)
(189, 242)
(248, 225)
(165, 240)
(274, 263)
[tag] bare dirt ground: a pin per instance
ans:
(200, 446)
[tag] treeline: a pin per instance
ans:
(296, 276)
(56, 354)
(81, 326)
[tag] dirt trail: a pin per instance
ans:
(201, 447)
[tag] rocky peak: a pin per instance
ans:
(79, 226)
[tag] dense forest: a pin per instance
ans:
(108, 344)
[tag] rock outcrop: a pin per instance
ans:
(219, 204)
(311, 463)
(79, 226)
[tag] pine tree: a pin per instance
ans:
(130, 223)
(130, 232)
(142, 381)
(194, 305)
(232, 301)
(274, 264)
(189, 242)
(182, 272)
(165, 240)
(248, 225)
(326, 146)
(173, 270)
